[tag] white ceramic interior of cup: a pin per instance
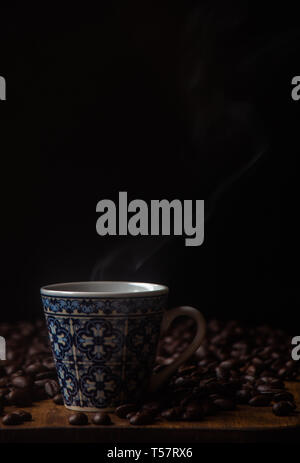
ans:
(104, 289)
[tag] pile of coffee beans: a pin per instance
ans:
(236, 364)
(28, 375)
(81, 419)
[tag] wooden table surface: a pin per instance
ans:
(246, 424)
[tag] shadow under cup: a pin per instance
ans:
(104, 337)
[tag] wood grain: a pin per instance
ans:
(246, 424)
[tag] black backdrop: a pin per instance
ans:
(162, 101)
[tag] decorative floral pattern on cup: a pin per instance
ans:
(99, 340)
(61, 339)
(100, 385)
(122, 306)
(104, 348)
(68, 382)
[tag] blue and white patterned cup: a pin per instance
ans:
(104, 337)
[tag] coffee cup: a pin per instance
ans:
(104, 337)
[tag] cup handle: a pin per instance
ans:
(159, 378)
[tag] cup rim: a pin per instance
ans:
(72, 289)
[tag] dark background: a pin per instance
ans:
(163, 101)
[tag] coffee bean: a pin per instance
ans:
(290, 364)
(260, 400)
(40, 383)
(222, 373)
(17, 373)
(142, 418)
(210, 387)
(12, 419)
(21, 381)
(250, 378)
(10, 369)
(49, 364)
(181, 381)
(272, 382)
(152, 406)
(283, 408)
(267, 394)
(243, 396)
(252, 370)
(228, 364)
(158, 368)
(282, 372)
(58, 399)
(257, 362)
(172, 414)
(78, 419)
(20, 397)
(46, 375)
(123, 410)
(34, 368)
(26, 416)
(52, 388)
(193, 412)
(225, 404)
(263, 388)
(101, 418)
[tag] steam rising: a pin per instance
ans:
(219, 78)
